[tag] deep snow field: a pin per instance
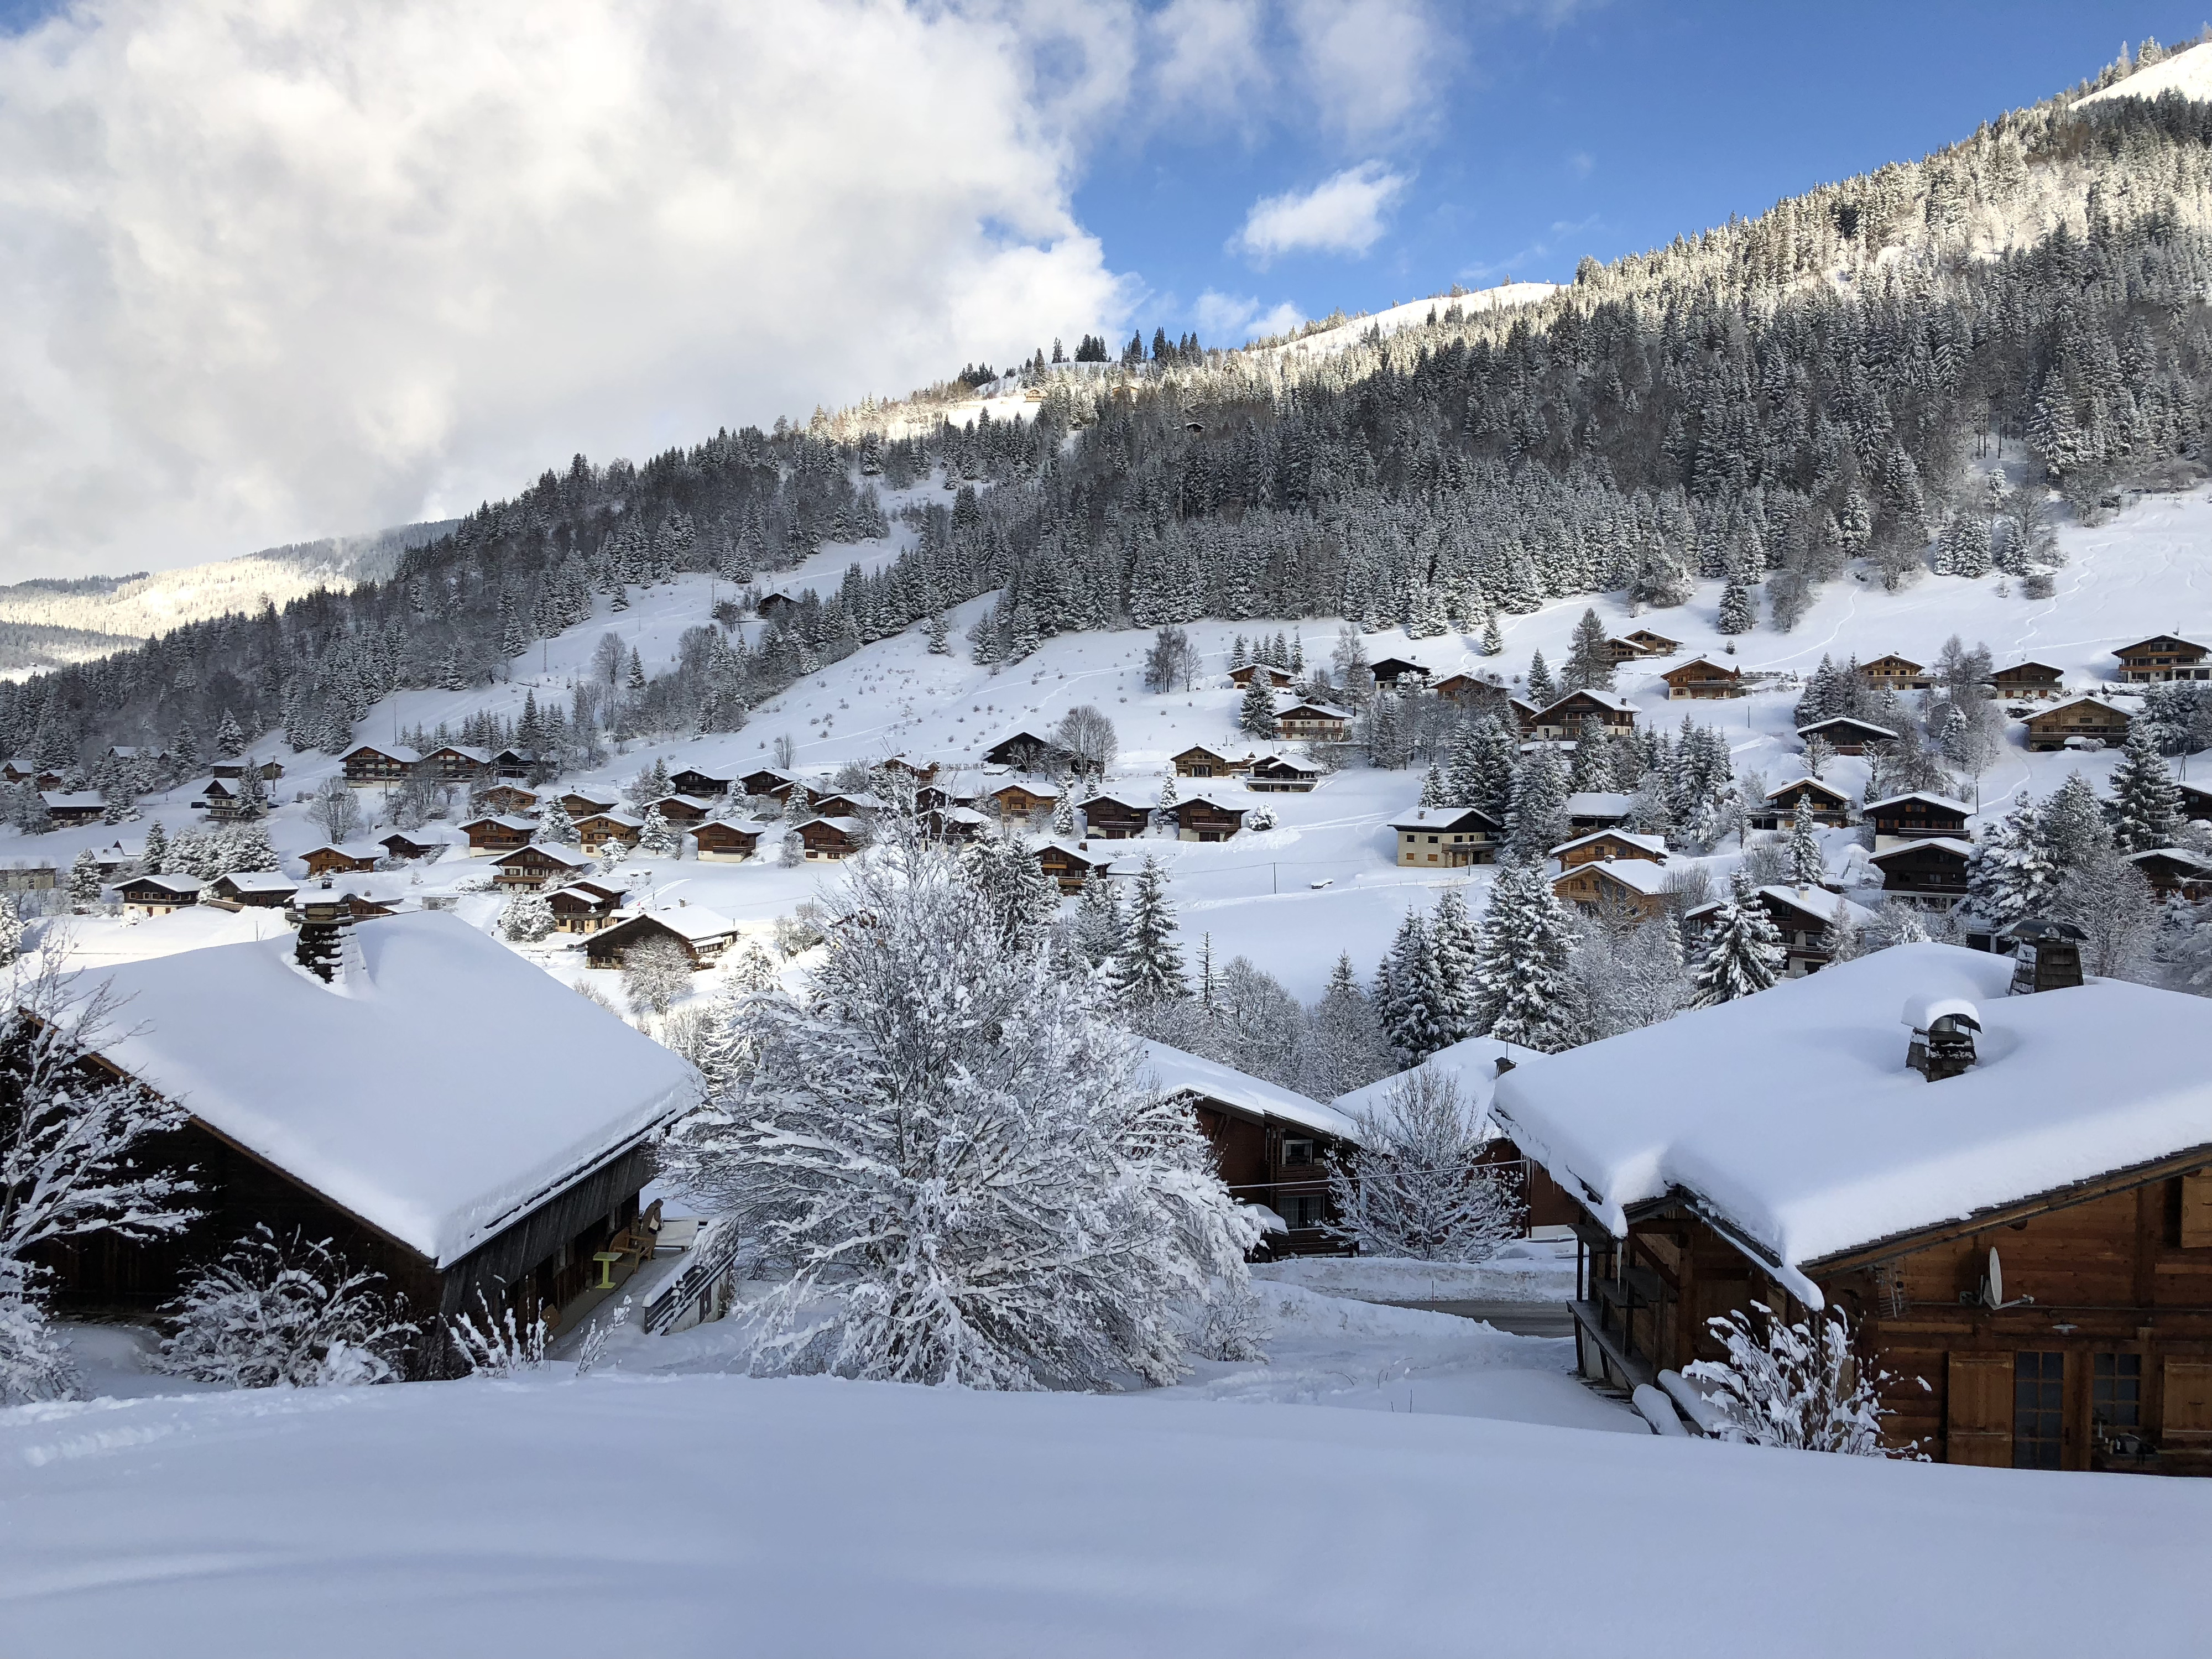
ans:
(1391, 1481)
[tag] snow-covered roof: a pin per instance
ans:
(584, 895)
(1199, 798)
(2179, 855)
(1472, 1065)
(175, 883)
(1650, 843)
(627, 820)
(258, 881)
(481, 756)
(1792, 1115)
(505, 820)
(1964, 849)
(1639, 875)
(1597, 803)
(560, 855)
(1442, 817)
(1611, 699)
(72, 799)
(1780, 790)
(694, 923)
(438, 1091)
(1814, 900)
(1933, 800)
(388, 750)
(1322, 710)
(2078, 702)
(850, 826)
(1082, 855)
(1842, 719)
(1174, 1070)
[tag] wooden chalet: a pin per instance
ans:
(412, 844)
(958, 825)
(2175, 872)
(851, 803)
(229, 771)
(729, 841)
(252, 890)
(1396, 673)
(1894, 673)
(23, 770)
(1847, 734)
(699, 785)
(509, 799)
(2028, 681)
(1652, 645)
(1597, 809)
(220, 798)
(497, 833)
(158, 895)
(127, 751)
(72, 808)
(1021, 799)
(1917, 816)
(1451, 837)
(1314, 722)
(768, 782)
(584, 907)
(1025, 752)
(1197, 762)
(2072, 725)
(1280, 775)
(833, 838)
(1564, 718)
(378, 766)
(1471, 689)
(2196, 801)
(2163, 657)
(1933, 871)
(350, 858)
(1072, 865)
(450, 762)
(517, 763)
(1630, 887)
(597, 831)
(1605, 846)
(1801, 915)
(582, 802)
(1700, 680)
(701, 934)
(471, 1129)
(1200, 817)
(775, 604)
(1272, 1147)
(683, 811)
(2042, 1311)
(1276, 677)
(1829, 806)
(905, 769)
(1523, 714)
(538, 866)
(1110, 817)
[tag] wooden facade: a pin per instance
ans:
(1397, 673)
(327, 860)
(1932, 870)
(1604, 846)
(1314, 722)
(75, 808)
(1564, 718)
(768, 782)
(1916, 817)
(1020, 801)
(581, 804)
(1109, 817)
(692, 781)
(1266, 1160)
(2108, 1367)
(2028, 681)
(832, 838)
(497, 833)
(2196, 801)
(1651, 644)
(683, 811)
(1700, 680)
(450, 764)
(1632, 888)
(1025, 752)
(534, 867)
(1276, 677)
(408, 845)
(259, 889)
(507, 799)
(2163, 657)
(1801, 916)
(1070, 867)
(585, 907)
(2175, 872)
(702, 937)
(600, 830)
(373, 766)
(158, 895)
(1200, 818)
(2084, 718)
(1277, 774)
(1828, 805)
(1197, 762)
(1894, 673)
(723, 842)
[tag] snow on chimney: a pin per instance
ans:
(2046, 955)
(1943, 1031)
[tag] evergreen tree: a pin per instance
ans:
(1542, 691)
(1736, 615)
(185, 751)
(1743, 950)
(1494, 637)
(156, 848)
(555, 827)
(1152, 966)
(1524, 962)
(1591, 767)
(1590, 658)
(2072, 828)
(1536, 821)
(2146, 800)
(229, 738)
(659, 839)
(1434, 792)
(1457, 945)
(1100, 934)
(1012, 886)
(2012, 874)
(84, 883)
(1256, 715)
(1410, 998)
(1483, 761)
(1807, 868)
(1345, 1049)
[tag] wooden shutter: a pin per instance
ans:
(2188, 1414)
(1978, 1410)
(2197, 1210)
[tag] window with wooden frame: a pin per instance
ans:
(2116, 1391)
(2039, 1410)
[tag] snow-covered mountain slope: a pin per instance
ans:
(2188, 72)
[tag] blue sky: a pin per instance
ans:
(1605, 132)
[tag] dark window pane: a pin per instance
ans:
(2038, 1415)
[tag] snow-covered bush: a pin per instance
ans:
(1259, 818)
(655, 974)
(1417, 1186)
(498, 1344)
(1233, 1325)
(35, 1364)
(958, 1158)
(286, 1313)
(528, 918)
(1798, 1386)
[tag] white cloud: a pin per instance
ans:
(270, 270)
(1231, 320)
(1343, 214)
(1372, 67)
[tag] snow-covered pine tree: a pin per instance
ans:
(1452, 932)
(1807, 868)
(1742, 952)
(1151, 968)
(1020, 899)
(961, 1162)
(1481, 768)
(2012, 874)
(1257, 713)
(1524, 964)
(1063, 814)
(555, 827)
(229, 737)
(84, 883)
(155, 849)
(70, 1141)
(1536, 821)
(1410, 999)
(1800, 1386)
(2146, 801)
(1589, 657)
(11, 930)
(1343, 1048)
(1590, 768)
(1494, 637)
(1417, 1188)
(659, 839)
(1737, 614)
(1542, 691)
(1434, 791)
(527, 917)
(286, 1313)
(1099, 934)
(2073, 825)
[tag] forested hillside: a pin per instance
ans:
(1767, 402)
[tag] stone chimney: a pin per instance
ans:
(2046, 955)
(326, 927)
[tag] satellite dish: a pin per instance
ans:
(1996, 1279)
